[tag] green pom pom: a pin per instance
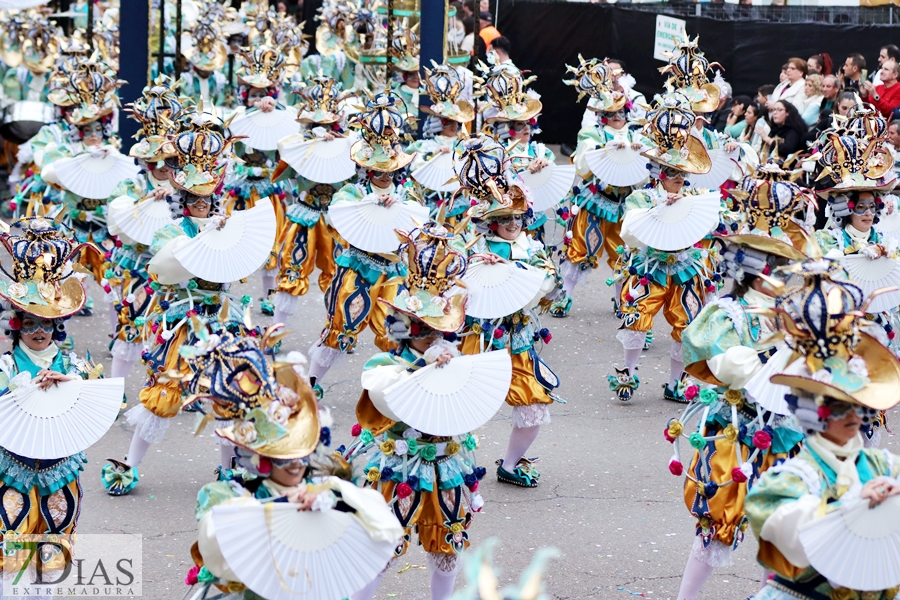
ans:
(208, 300)
(154, 285)
(610, 281)
(698, 442)
(620, 249)
(192, 285)
(204, 576)
(109, 274)
(708, 396)
(245, 300)
(140, 321)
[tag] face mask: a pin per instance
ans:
(44, 325)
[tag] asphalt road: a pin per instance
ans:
(606, 499)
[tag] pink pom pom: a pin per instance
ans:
(824, 412)
(191, 578)
(356, 430)
(629, 298)
(676, 468)
(691, 392)
(762, 440)
(738, 476)
(186, 212)
(668, 437)
(498, 333)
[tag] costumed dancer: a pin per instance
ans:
(805, 511)
(431, 481)
(404, 56)
(596, 208)
(447, 114)
(309, 240)
(330, 58)
(126, 276)
(512, 112)
(858, 182)
(368, 266)
(674, 279)
(178, 297)
(735, 439)
(260, 77)
(204, 48)
(500, 209)
(42, 492)
(280, 439)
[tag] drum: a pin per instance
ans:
(22, 120)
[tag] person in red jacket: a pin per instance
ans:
(885, 97)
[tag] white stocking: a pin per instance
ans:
(676, 363)
(368, 592)
(618, 291)
(443, 569)
(113, 317)
(121, 367)
(633, 344)
(765, 578)
(226, 453)
(695, 575)
(268, 280)
(137, 450)
(280, 316)
(520, 439)
(570, 281)
(632, 356)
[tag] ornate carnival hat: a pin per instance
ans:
(39, 46)
(12, 35)
(821, 320)
(203, 45)
(262, 67)
(321, 98)
(331, 31)
(768, 199)
(86, 88)
(595, 79)
(275, 409)
(157, 110)
(504, 91)
(481, 165)
(687, 71)
(290, 38)
(443, 86)
(432, 292)
(380, 124)
(854, 164)
(43, 282)
(201, 154)
(404, 50)
(668, 125)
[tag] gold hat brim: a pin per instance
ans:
(204, 191)
(397, 162)
(303, 427)
(449, 322)
(465, 113)
(614, 107)
(71, 300)
(696, 163)
(205, 63)
(532, 109)
(766, 244)
(881, 393)
(711, 103)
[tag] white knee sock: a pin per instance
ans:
(632, 356)
(120, 367)
(226, 453)
(280, 316)
(113, 317)
(570, 282)
(368, 592)
(520, 439)
(765, 578)
(618, 286)
(268, 280)
(695, 575)
(676, 363)
(443, 578)
(137, 450)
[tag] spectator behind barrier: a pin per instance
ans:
(886, 96)
(788, 129)
(814, 99)
(852, 71)
(793, 88)
(820, 64)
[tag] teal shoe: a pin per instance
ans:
(267, 308)
(648, 339)
(319, 392)
(676, 393)
(521, 476)
(118, 478)
(560, 309)
(624, 384)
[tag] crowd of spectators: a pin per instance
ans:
(788, 116)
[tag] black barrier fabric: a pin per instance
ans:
(546, 36)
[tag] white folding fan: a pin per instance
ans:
(889, 225)
(370, 227)
(549, 185)
(60, 421)
(723, 164)
(20, 4)
(143, 219)
(282, 553)
(678, 225)
(454, 399)
(768, 395)
(264, 129)
(500, 289)
(617, 166)
(874, 274)
(318, 160)
(856, 547)
(90, 177)
(235, 251)
(435, 174)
